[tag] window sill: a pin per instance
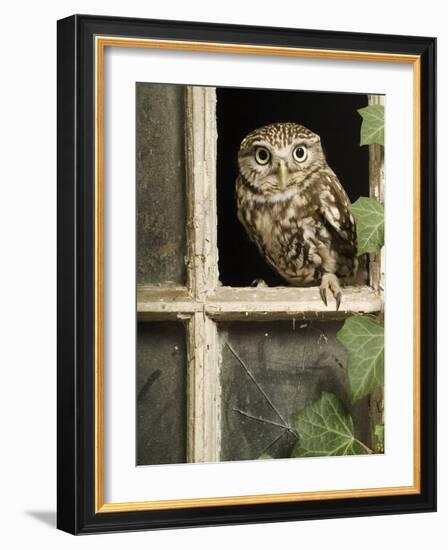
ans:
(230, 303)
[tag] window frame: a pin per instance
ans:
(204, 302)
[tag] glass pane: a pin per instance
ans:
(161, 393)
(284, 367)
(160, 166)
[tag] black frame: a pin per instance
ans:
(75, 476)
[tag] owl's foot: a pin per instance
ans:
(330, 281)
(258, 283)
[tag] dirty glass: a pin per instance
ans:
(271, 370)
(161, 393)
(160, 168)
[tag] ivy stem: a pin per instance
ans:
(367, 449)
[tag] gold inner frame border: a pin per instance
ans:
(100, 44)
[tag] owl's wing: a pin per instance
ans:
(334, 204)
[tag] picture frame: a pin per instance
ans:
(82, 297)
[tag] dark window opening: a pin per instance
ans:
(333, 116)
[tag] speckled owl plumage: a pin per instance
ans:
(295, 209)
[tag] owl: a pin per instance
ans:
(294, 208)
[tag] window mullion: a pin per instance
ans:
(376, 179)
(204, 392)
(203, 398)
(165, 303)
(201, 138)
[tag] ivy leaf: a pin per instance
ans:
(369, 218)
(264, 456)
(379, 433)
(364, 340)
(301, 452)
(325, 429)
(372, 127)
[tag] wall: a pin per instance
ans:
(28, 273)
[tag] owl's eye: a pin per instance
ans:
(262, 155)
(300, 153)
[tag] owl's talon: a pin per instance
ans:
(258, 283)
(338, 297)
(330, 281)
(323, 295)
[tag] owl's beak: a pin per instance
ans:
(282, 174)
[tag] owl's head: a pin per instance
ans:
(278, 158)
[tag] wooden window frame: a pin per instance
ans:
(203, 302)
